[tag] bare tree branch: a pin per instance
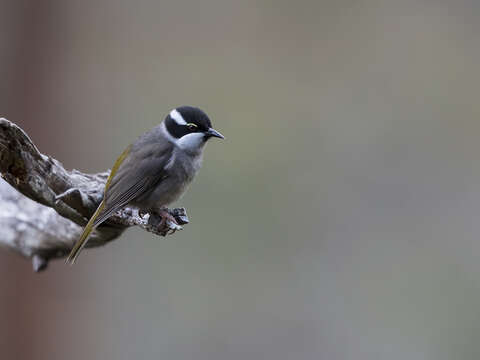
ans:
(45, 207)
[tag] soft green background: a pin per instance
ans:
(340, 218)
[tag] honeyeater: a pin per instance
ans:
(155, 170)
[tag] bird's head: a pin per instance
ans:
(190, 128)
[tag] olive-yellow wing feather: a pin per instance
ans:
(137, 170)
(81, 242)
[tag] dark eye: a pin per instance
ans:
(192, 126)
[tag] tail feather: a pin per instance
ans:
(82, 241)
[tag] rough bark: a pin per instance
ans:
(44, 207)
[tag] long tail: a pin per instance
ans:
(82, 241)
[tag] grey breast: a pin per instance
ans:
(178, 174)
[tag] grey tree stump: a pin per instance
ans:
(43, 207)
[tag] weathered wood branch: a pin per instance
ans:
(44, 207)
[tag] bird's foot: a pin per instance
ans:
(167, 224)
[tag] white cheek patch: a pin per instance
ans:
(175, 115)
(191, 142)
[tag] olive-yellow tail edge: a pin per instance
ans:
(82, 241)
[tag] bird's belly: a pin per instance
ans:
(170, 191)
(166, 192)
(172, 187)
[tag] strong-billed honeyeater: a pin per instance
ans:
(155, 170)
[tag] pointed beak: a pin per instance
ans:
(214, 133)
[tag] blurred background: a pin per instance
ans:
(340, 218)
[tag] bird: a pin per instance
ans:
(155, 170)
